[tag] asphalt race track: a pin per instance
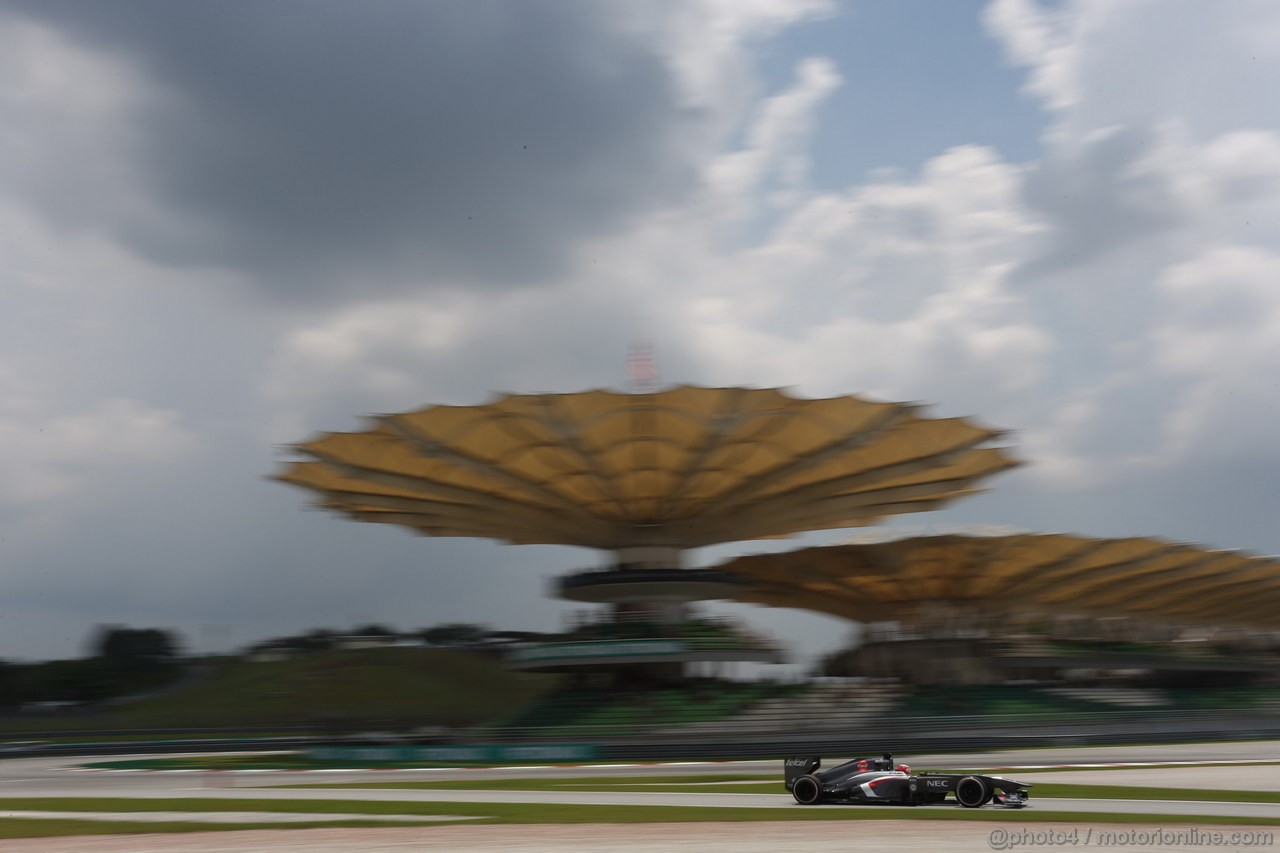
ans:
(57, 777)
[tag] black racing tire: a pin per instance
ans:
(972, 792)
(807, 790)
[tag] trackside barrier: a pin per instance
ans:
(1150, 722)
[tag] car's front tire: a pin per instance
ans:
(807, 790)
(971, 792)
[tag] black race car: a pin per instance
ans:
(878, 781)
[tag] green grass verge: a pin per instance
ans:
(1172, 765)
(1135, 792)
(248, 804)
(284, 761)
(726, 783)
(148, 739)
(58, 827)
(719, 783)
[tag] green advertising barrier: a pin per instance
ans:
(483, 752)
(601, 649)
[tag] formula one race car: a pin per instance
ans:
(879, 781)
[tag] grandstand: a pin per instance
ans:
(823, 706)
(647, 477)
(639, 641)
(642, 710)
(961, 608)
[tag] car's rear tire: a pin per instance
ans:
(971, 792)
(807, 790)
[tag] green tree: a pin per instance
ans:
(454, 634)
(134, 645)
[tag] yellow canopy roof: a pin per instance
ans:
(684, 467)
(1058, 573)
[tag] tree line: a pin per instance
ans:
(122, 661)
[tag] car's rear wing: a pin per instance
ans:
(795, 767)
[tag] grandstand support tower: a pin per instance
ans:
(646, 477)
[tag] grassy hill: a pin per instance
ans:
(350, 688)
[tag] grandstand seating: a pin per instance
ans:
(821, 707)
(1259, 698)
(712, 708)
(598, 712)
(1065, 701)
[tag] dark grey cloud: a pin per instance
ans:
(323, 145)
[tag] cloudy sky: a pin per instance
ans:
(225, 226)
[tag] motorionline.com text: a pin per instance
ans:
(1012, 839)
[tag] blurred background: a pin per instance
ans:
(234, 229)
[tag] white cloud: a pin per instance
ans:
(1221, 334)
(708, 44)
(54, 457)
(1165, 324)
(380, 351)
(1044, 42)
(1099, 63)
(1160, 196)
(775, 144)
(872, 287)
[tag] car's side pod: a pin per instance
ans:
(797, 766)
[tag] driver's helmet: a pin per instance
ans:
(904, 768)
(863, 765)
